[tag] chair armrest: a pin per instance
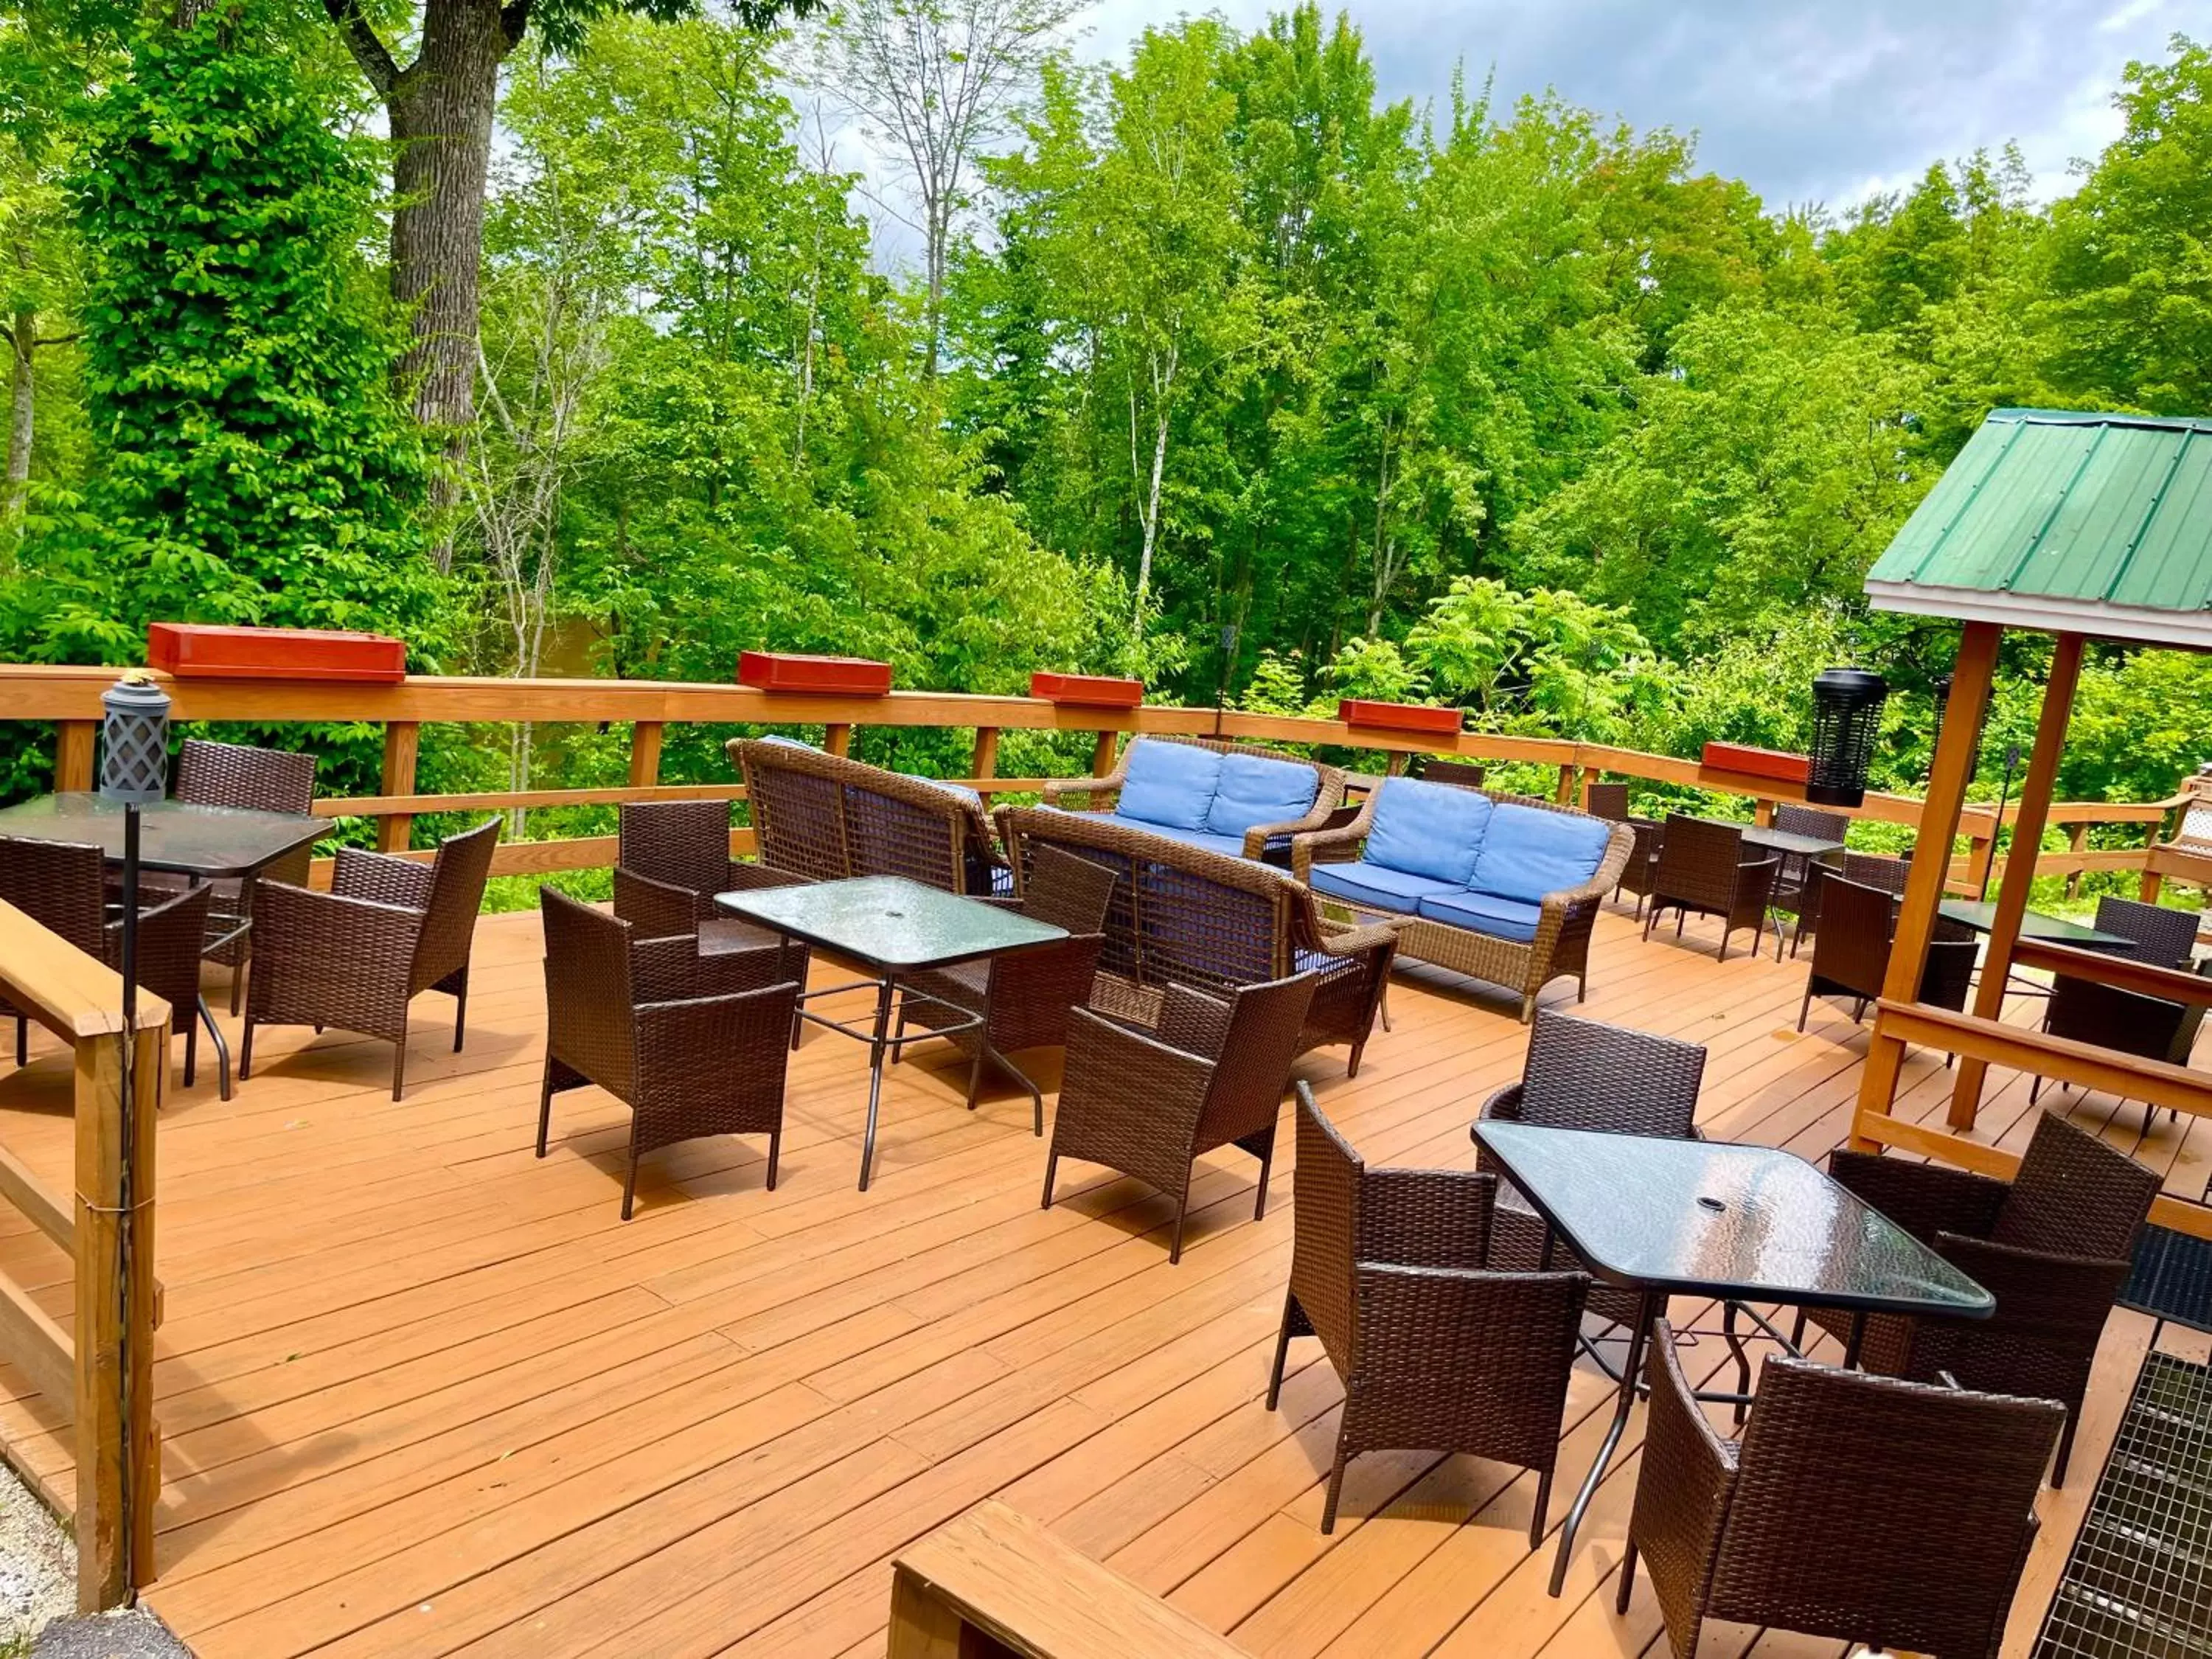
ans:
(2041, 1297)
(1099, 794)
(655, 909)
(746, 877)
(1119, 1079)
(1923, 1198)
(349, 937)
(1447, 1322)
(1330, 846)
(1192, 1021)
(1425, 1218)
(714, 1051)
(1688, 1478)
(1359, 941)
(1754, 880)
(380, 878)
(1503, 1105)
(1257, 837)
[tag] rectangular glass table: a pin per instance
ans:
(1709, 1218)
(207, 843)
(1789, 842)
(889, 926)
(1982, 917)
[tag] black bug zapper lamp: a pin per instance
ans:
(1846, 716)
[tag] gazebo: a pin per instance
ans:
(2084, 527)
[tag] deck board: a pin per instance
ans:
(422, 1393)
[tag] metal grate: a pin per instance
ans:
(2139, 1582)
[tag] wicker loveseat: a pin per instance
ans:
(1182, 915)
(818, 816)
(1498, 887)
(1228, 798)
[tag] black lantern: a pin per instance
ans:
(1846, 715)
(1941, 689)
(134, 766)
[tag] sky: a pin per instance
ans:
(1807, 100)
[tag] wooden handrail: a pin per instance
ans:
(71, 994)
(2193, 990)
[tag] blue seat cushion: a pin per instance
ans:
(1170, 783)
(1529, 852)
(1233, 845)
(1486, 913)
(1377, 885)
(1431, 830)
(1256, 790)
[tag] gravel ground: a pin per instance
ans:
(38, 1593)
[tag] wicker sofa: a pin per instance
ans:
(1228, 798)
(818, 816)
(1500, 887)
(1183, 915)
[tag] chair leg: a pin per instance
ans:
(775, 1150)
(1182, 1211)
(1260, 1200)
(238, 984)
(192, 1047)
(629, 1181)
(398, 1067)
(975, 1074)
(246, 1051)
(1335, 1485)
(1581, 986)
(898, 1048)
(1805, 1008)
(1543, 1507)
(1628, 1579)
(1351, 1066)
(460, 1008)
(1282, 1351)
(1051, 1168)
(2065, 1451)
(1528, 1007)
(545, 1106)
(2034, 1089)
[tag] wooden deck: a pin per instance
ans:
(422, 1394)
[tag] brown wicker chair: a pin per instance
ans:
(1881, 870)
(1210, 1073)
(1856, 1508)
(1608, 800)
(1182, 916)
(1463, 774)
(62, 886)
(694, 1044)
(671, 858)
(265, 780)
(823, 818)
(1584, 1074)
(356, 956)
(1701, 867)
(1796, 875)
(1023, 1000)
(2163, 937)
(1436, 1351)
(1101, 794)
(1850, 952)
(2128, 1022)
(1560, 947)
(1643, 867)
(2053, 1245)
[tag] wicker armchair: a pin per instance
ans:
(1702, 868)
(2163, 937)
(1584, 1074)
(1181, 915)
(2128, 1022)
(356, 956)
(1463, 774)
(1796, 875)
(671, 858)
(1608, 800)
(62, 886)
(1560, 948)
(694, 1044)
(2053, 1245)
(1436, 1351)
(1023, 1000)
(1850, 952)
(1101, 794)
(265, 780)
(1856, 1507)
(823, 817)
(1637, 875)
(1210, 1073)
(1881, 870)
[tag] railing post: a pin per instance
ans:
(1102, 753)
(645, 754)
(985, 762)
(73, 743)
(837, 740)
(1566, 792)
(2077, 837)
(1762, 813)
(118, 1458)
(401, 738)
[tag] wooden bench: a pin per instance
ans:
(994, 1583)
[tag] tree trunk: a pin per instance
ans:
(21, 410)
(441, 108)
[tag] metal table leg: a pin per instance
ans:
(1631, 1367)
(878, 1042)
(222, 1049)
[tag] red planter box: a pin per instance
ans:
(1757, 763)
(1400, 717)
(191, 650)
(780, 671)
(1087, 690)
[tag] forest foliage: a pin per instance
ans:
(1220, 369)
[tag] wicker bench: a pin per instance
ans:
(1230, 797)
(1182, 916)
(822, 817)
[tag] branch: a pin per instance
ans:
(376, 65)
(58, 339)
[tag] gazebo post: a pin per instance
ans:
(2035, 791)
(1947, 778)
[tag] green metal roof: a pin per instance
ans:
(2065, 523)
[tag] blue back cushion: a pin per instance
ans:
(1170, 783)
(1428, 829)
(1529, 852)
(1257, 790)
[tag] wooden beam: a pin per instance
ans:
(985, 761)
(645, 753)
(1102, 752)
(402, 739)
(2035, 791)
(40, 1204)
(71, 994)
(73, 752)
(38, 1346)
(837, 738)
(1931, 858)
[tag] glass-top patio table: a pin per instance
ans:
(207, 843)
(889, 926)
(1708, 1218)
(2033, 924)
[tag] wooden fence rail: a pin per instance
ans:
(98, 1370)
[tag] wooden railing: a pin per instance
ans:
(69, 697)
(99, 1372)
